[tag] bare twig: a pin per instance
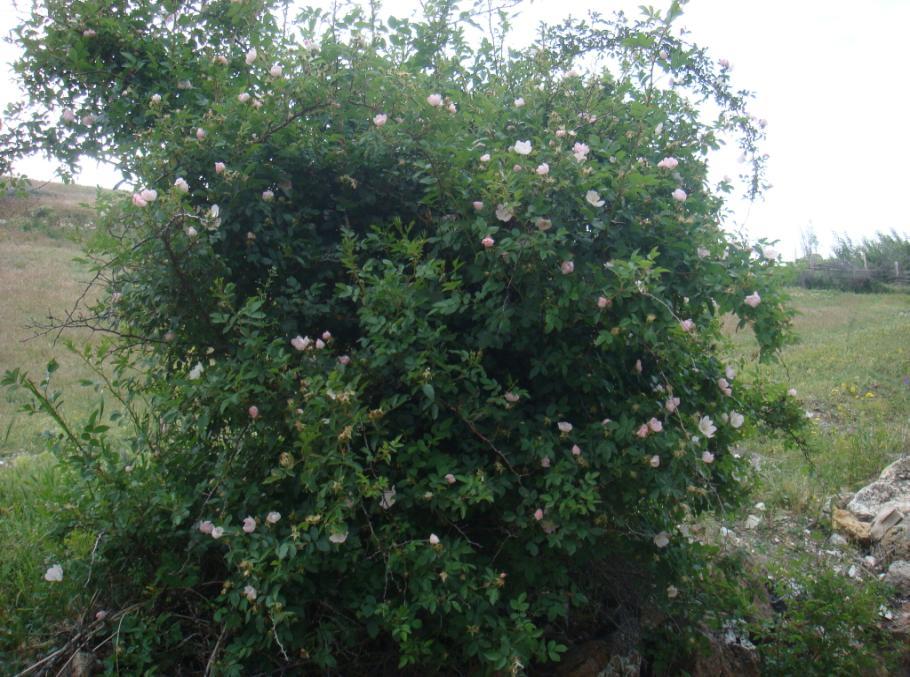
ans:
(483, 438)
(214, 656)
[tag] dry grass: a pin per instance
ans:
(38, 277)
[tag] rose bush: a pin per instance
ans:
(417, 346)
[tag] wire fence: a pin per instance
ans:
(846, 276)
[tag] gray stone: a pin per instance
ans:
(895, 543)
(890, 490)
(887, 518)
(837, 539)
(899, 576)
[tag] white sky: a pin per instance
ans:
(829, 76)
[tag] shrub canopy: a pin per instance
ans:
(417, 339)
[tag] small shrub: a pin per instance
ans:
(829, 625)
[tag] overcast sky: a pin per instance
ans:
(829, 76)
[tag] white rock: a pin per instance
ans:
(752, 521)
(890, 490)
(898, 575)
(837, 539)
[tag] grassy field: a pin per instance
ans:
(851, 369)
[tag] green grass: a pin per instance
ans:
(34, 612)
(851, 369)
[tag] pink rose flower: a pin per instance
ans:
(488, 242)
(511, 397)
(434, 100)
(538, 514)
(268, 195)
(181, 185)
(542, 169)
(580, 151)
(206, 527)
(250, 593)
(68, 115)
(434, 539)
(593, 198)
(450, 478)
(603, 302)
(655, 425)
(251, 56)
(243, 97)
(156, 99)
(300, 343)
(477, 204)
(320, 344)
(380, 119)
(516, 167)
(707, 457)
(485, 157)
(217, 532)
(672, 404)
(792, 392)
(253, 411)
(679, 195)
(753, 299)
(249, 525)
(452, 108)
(643, 431)
(149, 195)
(273, 517)
(687, 325)
(668, 163)
(567, 267)
(662, 540)
(545, 462)
(522, 147)
(576, 450)
(654, 461)
(138, 200)
(707, 427)
(276, 71)
(344, 360)
(219, 168)
(564, 427)
(519, 102)
(200, 133)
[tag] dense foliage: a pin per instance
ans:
(411, 337)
